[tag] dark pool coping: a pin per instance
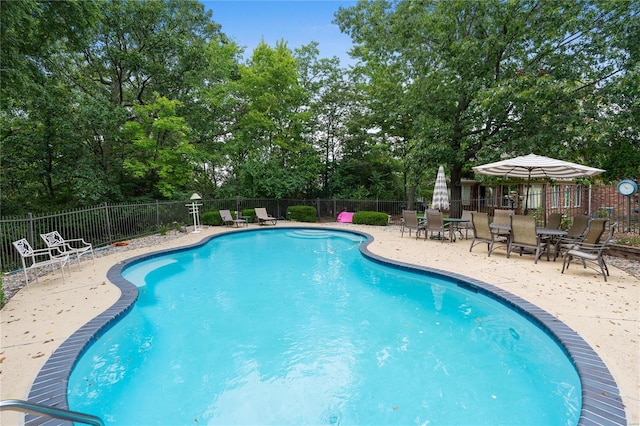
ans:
(601, 401)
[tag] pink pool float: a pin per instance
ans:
(345, 217)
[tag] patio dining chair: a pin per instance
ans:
(466, 226)
(591, 255)
(502, 217)
(34, 259)
(434, 223)
(554, 221)
(482, 232)
(524, 235)
(592, 235)
(59, 246)
(410, 222)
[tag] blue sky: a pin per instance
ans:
(298, 22)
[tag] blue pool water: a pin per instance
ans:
(287, 326)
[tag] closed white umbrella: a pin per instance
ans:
(538, 167)
(440, 194)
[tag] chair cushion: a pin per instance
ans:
(583, 255)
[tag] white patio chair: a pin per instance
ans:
(30, 257)
(74, 247)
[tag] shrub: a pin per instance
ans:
(251, 214)
(212, 218)
(371, 218)
(302, 213)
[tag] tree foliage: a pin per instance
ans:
(122, 100)
(483, 79)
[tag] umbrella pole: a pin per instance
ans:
(526, 199)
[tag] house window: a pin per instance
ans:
(487, 196)
(578, 196)
(535, 196)
(555, 197)
(567, 196)
(466, 195)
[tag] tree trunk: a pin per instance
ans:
(455, 203)
(411, 198)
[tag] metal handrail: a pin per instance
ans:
(44, 410)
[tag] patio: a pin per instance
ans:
(36, 321)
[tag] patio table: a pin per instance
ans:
(550, 235)
(454, 225)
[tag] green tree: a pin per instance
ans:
(331, 98)
(268, 152)
(72, 75)
(161, 159)
(487, 78)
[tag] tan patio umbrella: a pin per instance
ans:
(538, 167)
(440, 199)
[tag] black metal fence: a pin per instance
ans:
(109, 223)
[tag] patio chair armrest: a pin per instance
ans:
(45, 252)
(81, 240)
(567, 239)
(589, 248)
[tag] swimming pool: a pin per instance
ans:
(389, 400)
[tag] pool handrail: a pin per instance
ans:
(45, 410)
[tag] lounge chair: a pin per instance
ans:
(524, 235)
(30, 257)
(410, 222)
(435, 224)
(228, 219)
(591, 255)
(75, 247)
(263, 217)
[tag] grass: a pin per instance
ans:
(633, 241)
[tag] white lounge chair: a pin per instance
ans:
(60, 247)
(30, 257)
(263, 216)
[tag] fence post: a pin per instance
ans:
(157, 214)
(106, 215)
(30, 227)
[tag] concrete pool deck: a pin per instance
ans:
(606, 315)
